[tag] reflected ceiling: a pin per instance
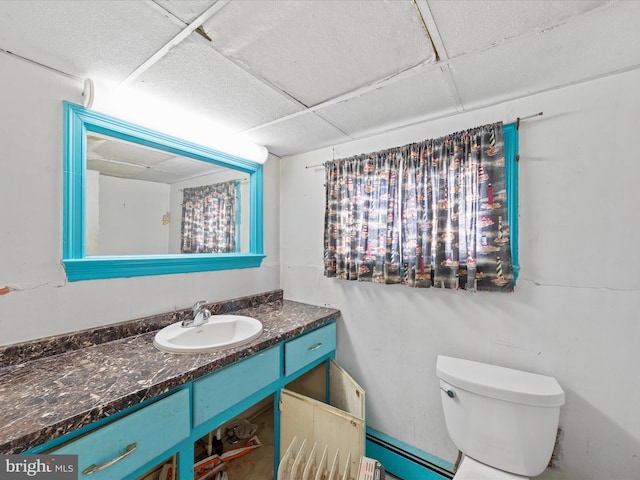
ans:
(117, 158)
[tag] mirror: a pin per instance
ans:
(139, 202)
(143, 201)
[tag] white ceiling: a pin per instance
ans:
(300, 75)
(117, 158)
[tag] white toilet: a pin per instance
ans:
(504, 421)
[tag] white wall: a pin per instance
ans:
(131, 214)
(31, 226)
(575, 312)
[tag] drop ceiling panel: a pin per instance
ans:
(185, 10)
(196, 77)
(568, 54)
(124, 152)
(316, 51)
(103, 39)
(114, 169)
(296, 135)
(152, 175)
(268, 59)
(179, 169)
(467, 26)
(127, 160)
(188, 167)
(418, 97)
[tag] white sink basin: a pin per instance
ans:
(219, 333)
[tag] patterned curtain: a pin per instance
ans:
(362, 239)
(427, 214)
(209, 223)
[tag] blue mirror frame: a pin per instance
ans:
(77, 122)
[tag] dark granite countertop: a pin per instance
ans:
(44, 398)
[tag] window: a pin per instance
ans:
(441, 212)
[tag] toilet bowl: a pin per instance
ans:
(503, 420)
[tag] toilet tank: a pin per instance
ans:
(501, 417)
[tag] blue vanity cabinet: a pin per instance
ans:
(234, 384)
(135, 445)
(120, 448)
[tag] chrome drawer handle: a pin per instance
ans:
(315, 347)
(96, 468)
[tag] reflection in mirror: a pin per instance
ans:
(139, 202)
(143, 201)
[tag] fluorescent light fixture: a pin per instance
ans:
(133, 106)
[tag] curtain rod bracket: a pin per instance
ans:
(539, 114)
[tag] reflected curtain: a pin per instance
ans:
(427, 214)
(209, 218)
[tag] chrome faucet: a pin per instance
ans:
(200, 315)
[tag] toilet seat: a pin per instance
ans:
(471, 469)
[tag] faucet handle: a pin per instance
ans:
(198, 305)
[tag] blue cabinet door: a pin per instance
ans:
(120, 448)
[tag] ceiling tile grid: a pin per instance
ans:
(197, 77)
(100, 38)
(297, 76)
(100, 147)
(315, 51)
(565, 55)
(468, 26)
(299, 134)
(419, 97)
(185, 10)
(111, 169)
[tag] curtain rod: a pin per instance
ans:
(539, 114)
(241, 180)
(518, 120)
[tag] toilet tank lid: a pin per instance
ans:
(501, 383)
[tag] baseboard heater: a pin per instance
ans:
(398, 460)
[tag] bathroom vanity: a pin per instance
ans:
(124, 407)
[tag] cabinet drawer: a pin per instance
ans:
(223, 389)
(153, 430)
(309, 347)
